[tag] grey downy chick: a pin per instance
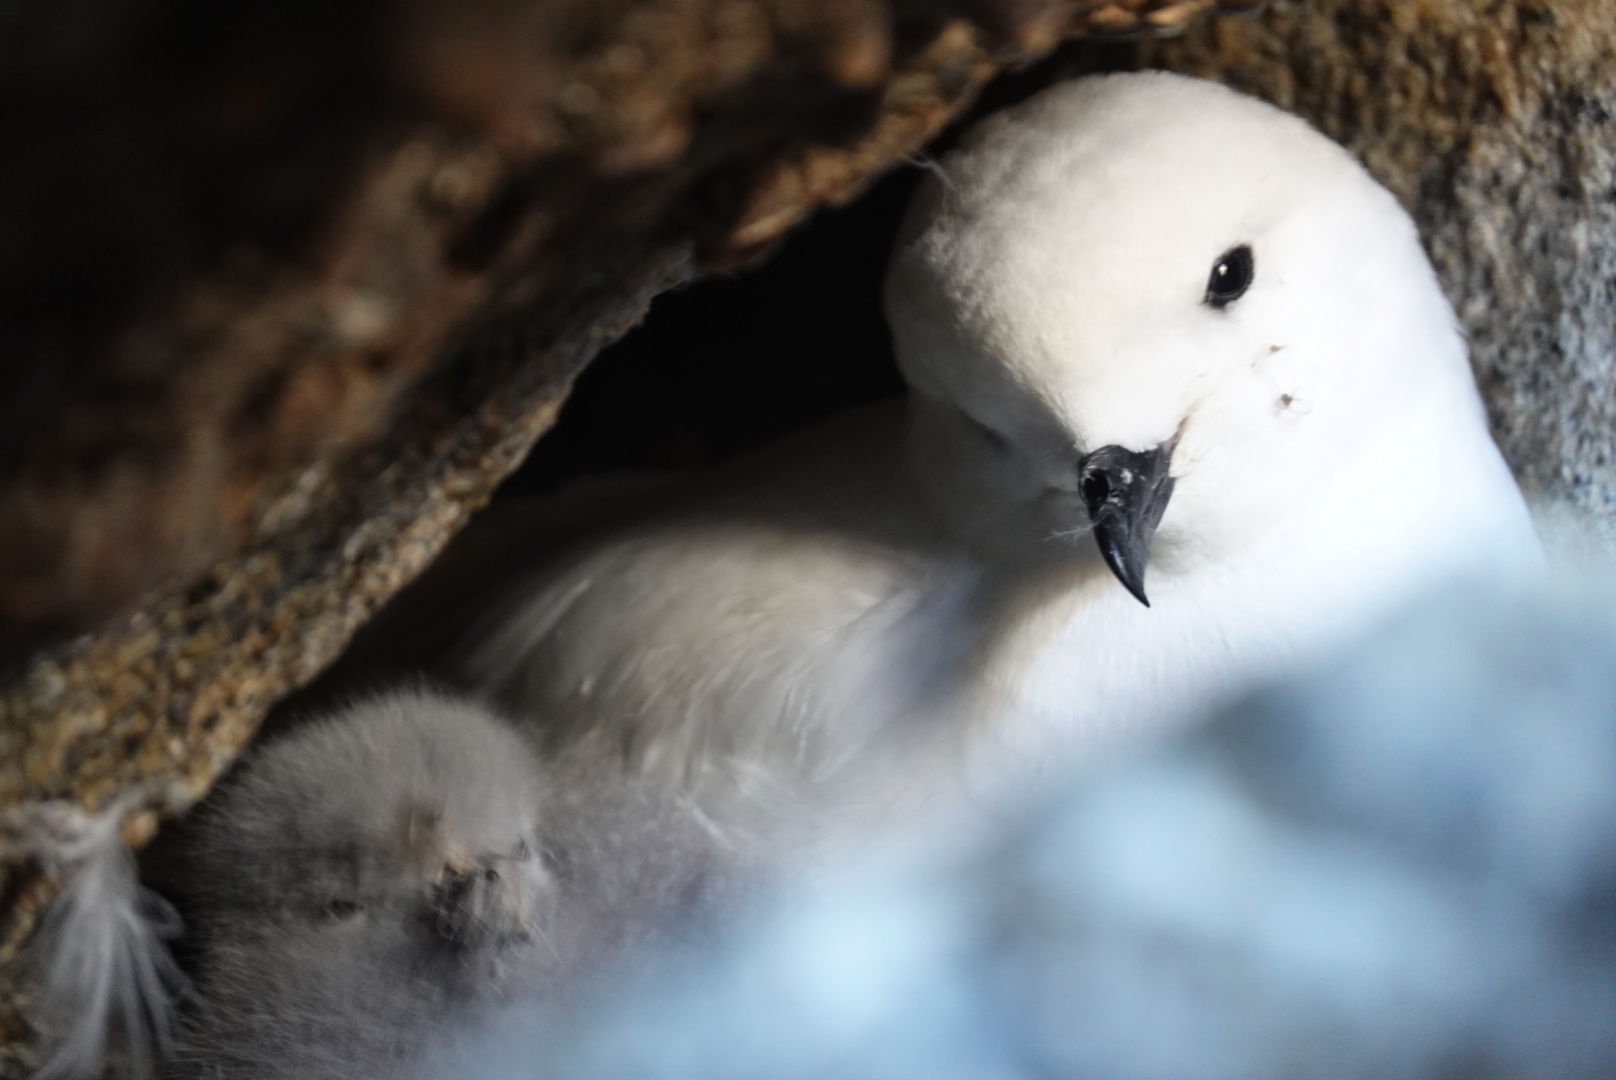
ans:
(370, 880)
(352, 885)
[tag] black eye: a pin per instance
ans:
(1231, 276)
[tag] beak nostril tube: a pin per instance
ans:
(1126, 493)
(1095, 487)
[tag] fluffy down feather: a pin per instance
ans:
(107, 980)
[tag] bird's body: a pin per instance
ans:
(713, 638)
(1303, 426)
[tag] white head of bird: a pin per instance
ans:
(1149, 322)
(1146, 300)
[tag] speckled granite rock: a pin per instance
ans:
(289, 287)
(1495, 122)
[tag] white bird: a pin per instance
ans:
(1144, 320)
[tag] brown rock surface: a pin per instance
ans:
(287, 287)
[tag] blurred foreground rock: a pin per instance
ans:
(1399, 866)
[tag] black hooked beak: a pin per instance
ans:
(1126, 492)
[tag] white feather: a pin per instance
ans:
(108, 982)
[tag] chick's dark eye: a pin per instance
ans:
(337, 909)
(1231, 276)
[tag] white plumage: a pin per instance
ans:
(107, 983)
(1126, 279)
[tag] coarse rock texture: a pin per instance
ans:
(287, 287)
(1495, 123)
